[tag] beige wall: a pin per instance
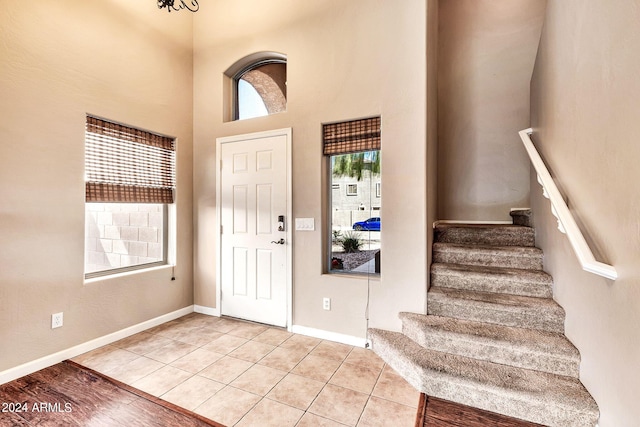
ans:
(432, 123)
(122, 60)
(486, 54)
(345, 60)
(585, 104)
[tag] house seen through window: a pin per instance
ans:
(353, 151)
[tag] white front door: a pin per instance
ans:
(253, 242)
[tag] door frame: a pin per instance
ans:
(289, 212)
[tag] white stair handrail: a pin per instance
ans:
(566, 222)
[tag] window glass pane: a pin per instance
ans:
(250, 103)
(355, 212)
(261, 90)
(123, 235)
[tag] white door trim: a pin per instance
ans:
(289, 220)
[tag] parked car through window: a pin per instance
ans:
(371, 224)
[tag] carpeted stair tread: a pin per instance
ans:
(527, 258)
(534, 283)
(503, 309)
(485, 234)
(524, 348)
(529, 395)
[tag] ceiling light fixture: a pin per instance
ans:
(191, 5)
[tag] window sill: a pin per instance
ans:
(358, 276)
(122, 274)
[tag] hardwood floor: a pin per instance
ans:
(433, 412)
(68, 394)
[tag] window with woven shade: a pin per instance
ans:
(129, 183)
(352, 149)
(127, 165)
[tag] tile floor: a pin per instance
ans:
(245, 374)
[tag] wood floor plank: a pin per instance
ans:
(71, 395)
(443, 413)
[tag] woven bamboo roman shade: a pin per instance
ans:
(129, 165)
(352, 136)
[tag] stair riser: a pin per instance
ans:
(490, 283)
(434, 339)
(471, 257)
(521, 217)
(529, 319)
(485, 236)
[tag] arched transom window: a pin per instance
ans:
(260, 85)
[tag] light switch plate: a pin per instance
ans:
(305, 224)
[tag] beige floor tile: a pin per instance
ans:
(339, 404)
(296, 391)
(225, 325)
(171, 352)
(301, 342)
(193, 392)
(312, 420)
(383, 413)
(199, 336)
(164, 379)
(282, 358)
(131, 372)
(93, 354)
(273, 336)
(360, 378)
(178, 333)
(247, 330)
(268, 413)
(172, 328)
(252, 351)
(393, 387)
(163, 327)
(258, 379)
(225, 344)
(196, 361)
(142, 343)
(195, 320)
(317, 368)
(209, 321)
(105, 358)
(332, 350)
(225, 369)
(228, 405)
(363, 356)
(190, 316)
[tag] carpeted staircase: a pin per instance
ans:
(493, 337)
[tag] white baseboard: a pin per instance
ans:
(331, 336)
(46, 361)
(206, 310)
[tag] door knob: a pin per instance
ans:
(278, 242)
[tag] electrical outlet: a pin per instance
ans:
(326, 303)
(56, 320)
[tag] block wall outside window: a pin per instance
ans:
(122, 235)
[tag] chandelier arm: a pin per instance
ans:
(191, 5)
